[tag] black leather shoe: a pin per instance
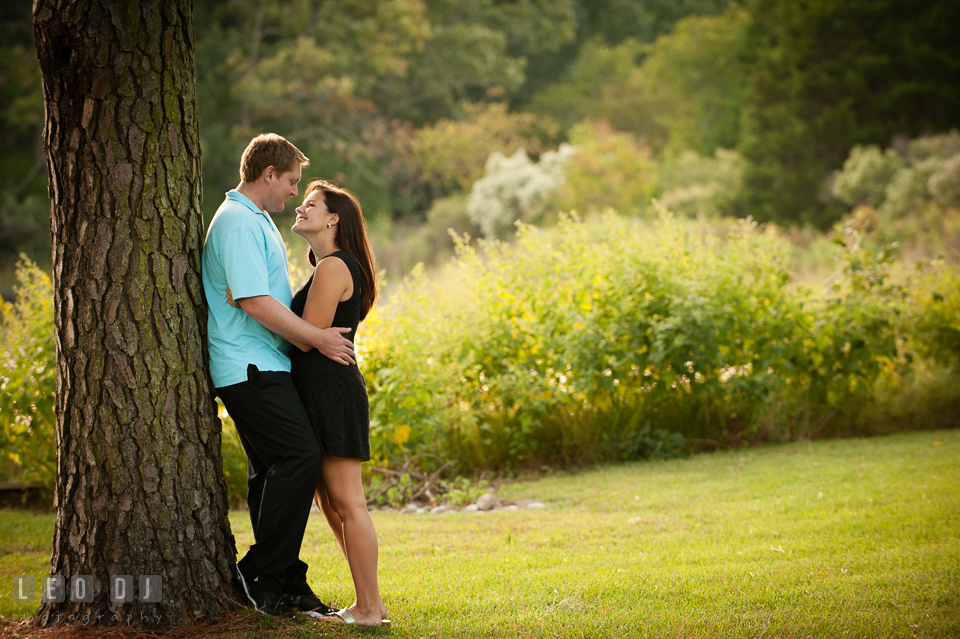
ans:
(273, 604)
(307, 601)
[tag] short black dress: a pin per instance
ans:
(334, 395)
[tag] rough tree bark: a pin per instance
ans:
(140, 488)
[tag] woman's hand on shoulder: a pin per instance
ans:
(232, 302)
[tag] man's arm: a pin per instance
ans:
(274, 316)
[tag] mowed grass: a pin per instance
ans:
(850, 538)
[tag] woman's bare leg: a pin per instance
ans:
(344, 490)
(333, 519)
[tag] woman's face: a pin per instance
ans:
(312, 215)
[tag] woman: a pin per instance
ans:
(341, 292)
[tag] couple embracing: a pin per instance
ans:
(283, 365)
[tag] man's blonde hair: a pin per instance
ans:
(269, 149)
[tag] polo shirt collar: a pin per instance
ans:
(236, 196)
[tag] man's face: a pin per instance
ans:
(281, 186)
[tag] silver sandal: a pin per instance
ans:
(348, 619)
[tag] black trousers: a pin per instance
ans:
(283, 466)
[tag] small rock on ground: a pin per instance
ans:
(487, 501)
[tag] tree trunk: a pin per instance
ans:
(140, 488)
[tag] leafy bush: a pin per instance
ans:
(604, 168)
(944, 184)
(934, 315)
(613, 339)
(581, 343)
(28, 380)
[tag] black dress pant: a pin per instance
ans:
(283, 466)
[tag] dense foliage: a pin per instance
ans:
(617, 340)
(28, 381)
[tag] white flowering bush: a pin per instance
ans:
(514, 188)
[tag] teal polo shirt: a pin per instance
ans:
(244, 250)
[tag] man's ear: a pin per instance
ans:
(269, 173)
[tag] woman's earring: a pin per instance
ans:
(329, 224)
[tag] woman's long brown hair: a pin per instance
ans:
(351, 237)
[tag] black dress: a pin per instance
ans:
(334, 395)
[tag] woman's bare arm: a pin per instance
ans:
(332, 283)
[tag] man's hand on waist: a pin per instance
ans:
(335, 346)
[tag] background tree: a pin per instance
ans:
(139, 487)
(826, 75)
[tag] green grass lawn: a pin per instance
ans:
(852, 538)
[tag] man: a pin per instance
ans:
(251, 371)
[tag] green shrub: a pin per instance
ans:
(515, 188)
(866, 174)
(934, 318)
(602, 341)
(451, 154)
(610, 169)
(28, 380)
